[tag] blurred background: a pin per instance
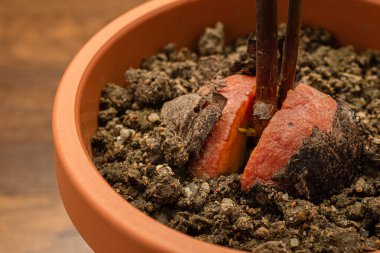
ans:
(37, 41)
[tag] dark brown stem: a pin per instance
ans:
(289, 60)
(266, 64)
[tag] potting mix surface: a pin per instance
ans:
(147, 164)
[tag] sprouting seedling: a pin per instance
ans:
(290, 53)
(302, 157)
(266, 64)
(267, 99)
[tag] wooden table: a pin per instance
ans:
(37, 41)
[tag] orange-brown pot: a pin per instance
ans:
(106, 221)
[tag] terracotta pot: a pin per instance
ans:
(105, 220)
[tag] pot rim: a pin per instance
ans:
(72, 155)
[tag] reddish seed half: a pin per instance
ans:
(303, 109)
(224, 149)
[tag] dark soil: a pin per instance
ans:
(145, 161)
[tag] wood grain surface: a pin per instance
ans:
(37, 40)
